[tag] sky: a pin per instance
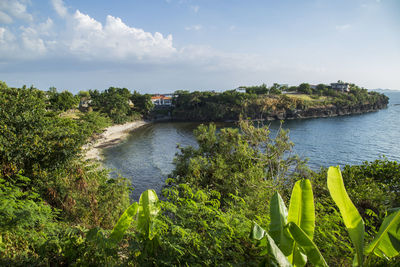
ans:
(159, 46)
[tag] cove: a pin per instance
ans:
(146, 157)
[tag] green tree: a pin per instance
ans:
(305, 88)
(114, 102)
(62, 101)
(232, 162)
(142, 103)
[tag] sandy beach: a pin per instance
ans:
(110, 137)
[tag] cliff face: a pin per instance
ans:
(276, 108)
(325, 111)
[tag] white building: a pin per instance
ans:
(162, 100)
(341, 86)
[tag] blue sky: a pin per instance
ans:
(166, 45)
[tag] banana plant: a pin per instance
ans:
(301, 213)
(144, 212)
(291, 232)
(387, 242)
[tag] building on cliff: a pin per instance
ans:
(341, 86)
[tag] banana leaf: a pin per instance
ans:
(307, 245)
(302, 213)
(277, 230)
(123, 223)
(148, 210)
(350, 214)
(387, 242)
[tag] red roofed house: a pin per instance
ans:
(161, 100)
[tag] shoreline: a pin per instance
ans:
(115, 134)
(112, 136)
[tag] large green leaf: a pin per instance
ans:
(387, 242)
(302, 213)
(350, 215)
(301, 208)
(274, 252)
(257, 232)
(148, 210)
(123, 223)
(307, 245)
(279, 214)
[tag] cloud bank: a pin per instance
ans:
(81, 36)
(92, 44)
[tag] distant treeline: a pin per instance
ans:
(262, 102)
(118, 104)
(254, 102)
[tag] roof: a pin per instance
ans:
(156, 97)
(340, 83)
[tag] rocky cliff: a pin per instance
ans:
(325, 111)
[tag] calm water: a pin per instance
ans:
(146, 156)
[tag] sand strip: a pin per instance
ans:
(110, 137)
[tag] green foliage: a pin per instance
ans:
(30, 136)
(305, 88)
(268, 103)
(232, 162)
(297, 246)
(259, 90)
(123, 223)
(301, 212)
(278, 216)
(114, 102)
(148, 210)
(61, 101)
(41, 216)
(306, 244)
(200, 233)
(94, 122)
(386, 244)
(351, 217)
(25, 222)
(142, 103)
(277, 256)
(301, 208)
(217, 189)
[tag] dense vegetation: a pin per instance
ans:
(119, 103)
(57, 209)
(48, 195)
(262, 102)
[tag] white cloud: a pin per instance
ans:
(6, 41)
(197, 27)
(4, 36)
(85, 40)
(59, 7)
(232, 28)
(90, 39)
(10, 9)
(4, 18)
(32, 42)
(195, 8)
(342, 27)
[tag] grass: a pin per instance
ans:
(72, 113)
(308, 97)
